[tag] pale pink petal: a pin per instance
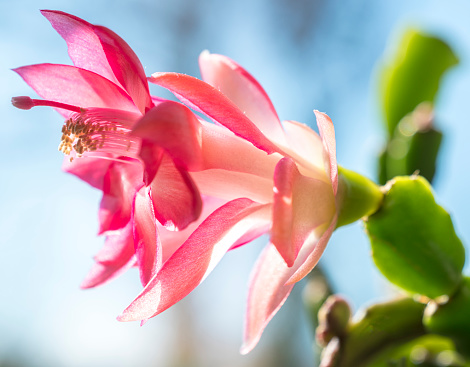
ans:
(230, 185)
(148, 249)
(119, 186)
(267, 293)
(174, 128)
(78, 87)
(272, 281)
(114, 259)
(244, 91)
(309, 258)
(100, 50)
(210, 101)
(306, 147)
(176, 199)
(221, 149)
(301, 205)
(327, 133)
(196, 258)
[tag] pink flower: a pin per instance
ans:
(274, 178)
(103, 96)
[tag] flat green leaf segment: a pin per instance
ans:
(413, 75)
(413, 240)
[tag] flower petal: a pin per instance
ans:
(267, 293)
(327, 133)
(115, 257)
(306, 147)
(148, 249)
(120, 184)
(89, 169)
(173, 127)
(196, 258)
(176, 199)
(272, 281)
(301, 206)
(210, 101)
(75, 86)
(100, 50)
(244, 91)
(313, 251)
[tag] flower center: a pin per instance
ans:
(99, 130)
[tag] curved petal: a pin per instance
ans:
(196, 258)
(312, 254)
(244, 91)
(272, 281)
(221, 149)
(210, 101)
(88, 168)
(120, 184)
(115, 258)
(327, 133)
(306, 147)
(176, 199)
(230, 185)
(301, 206)
(100, 50)
(267, 293)
(148, 249)
(173, 127)
(75, 86)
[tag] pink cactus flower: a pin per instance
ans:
(102, 97)
(179, 192)
(277, 178)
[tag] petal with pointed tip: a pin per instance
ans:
(213, 103)
(272, 281)
(307, 148)
(115, 257)
(244, 91)
(176, 199)
(301, 205)
(100, 50)
(74, 86)
(196, 258)
(327, 133)
(148, 249)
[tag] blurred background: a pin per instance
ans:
(308, 54)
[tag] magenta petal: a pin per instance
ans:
(210, 101)
(71, 85)
(267, 293)
(176, 199)
(173, 127)
(196, 258)
(115, 258)
(119, 186)
(244, 91)
(327, 133)
(301, 205)
(100, 50)
(148, 249)
(89, 169)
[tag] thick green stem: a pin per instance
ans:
(357, 197)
